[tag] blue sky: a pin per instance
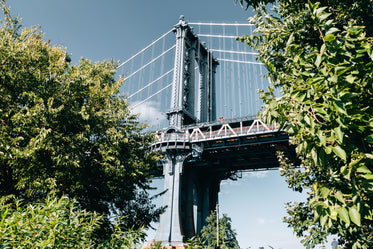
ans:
(115, 29)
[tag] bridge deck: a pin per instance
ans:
(216, 130)
(246, 144)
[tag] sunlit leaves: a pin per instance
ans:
(56, 223)
(343, 215)
(51, 224)
(320, 55)
(354, 215)
(339, 152)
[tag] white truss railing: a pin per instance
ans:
(225, 131)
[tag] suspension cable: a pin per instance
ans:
(142, 50)
(150, 62)
(238, 61)
(151, 83)
(151, 96)
(218, 36)
(233, 52)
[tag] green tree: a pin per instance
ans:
(320, 56)
(65, 125)
(227, 236)
(56, 223)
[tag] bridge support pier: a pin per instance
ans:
(191, 196)
(169, 230)
(208, 186)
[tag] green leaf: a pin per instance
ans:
(354, 162)
(350, 78)
(321, 137)
(320, 12)
(339, 134)
(369, 138)
(322, 49)
(331, 31)
(307, 119)
(368, 176)
(363, 169)
(354, 215)
(339, 197)
(324, 16)
(323, 220)
(314, 155)
(339, 152)
(334, 78)
(328, 149)
(368, 155)
(329, 38)
(340, 106)
(333, 214)
(318, 60)
(346, 171)
(339, 91)
(343, 215)
(324, 192)
(290, 40)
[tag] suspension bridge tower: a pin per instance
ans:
(187, 190)
(200, 151)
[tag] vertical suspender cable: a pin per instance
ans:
(198, 85)
(257, 86)
(249, 76)
(225, 78)
(207, 71)
(210, 87)
(233, 83)
(262, 83)
(220, 100)
(246, 82)
(159, 97)
(239, 77)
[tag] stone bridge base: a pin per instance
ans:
(181, 246)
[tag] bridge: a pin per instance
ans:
(199, 149)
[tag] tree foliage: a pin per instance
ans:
(56, 223)
(321, 57)
(227, 236)
(64, 125)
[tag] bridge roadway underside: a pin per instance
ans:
(193, 171)
(232, 155)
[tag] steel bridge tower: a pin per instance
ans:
(200, 152)
(186, 189)
(189, 52)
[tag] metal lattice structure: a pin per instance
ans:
(190, 51)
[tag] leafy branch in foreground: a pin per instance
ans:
(56, 223)
(321, 57)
